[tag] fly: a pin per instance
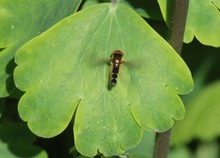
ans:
(115, 61)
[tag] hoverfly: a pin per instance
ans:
(115, 61)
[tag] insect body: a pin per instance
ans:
(115, 61)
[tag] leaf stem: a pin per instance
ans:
(176, 33)
(115, 2)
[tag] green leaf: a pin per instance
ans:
(216, 2)
(149, 9)
(68, 66)
(21, 21)
(203, 20)
(15, 142)
(201, 118)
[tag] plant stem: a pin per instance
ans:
(162, 144)
(177, 26)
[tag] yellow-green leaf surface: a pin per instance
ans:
(19, 22)
(67, 68)
(203, 20)
(202, 117)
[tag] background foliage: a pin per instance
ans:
(199, 129)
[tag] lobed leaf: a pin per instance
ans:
(67, 68)
(21, 21)
(203, 20)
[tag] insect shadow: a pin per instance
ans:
(114, 63)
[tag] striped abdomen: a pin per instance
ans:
(116, 60)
